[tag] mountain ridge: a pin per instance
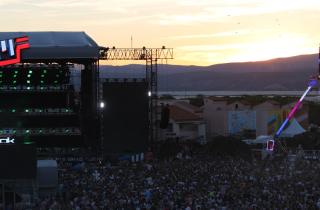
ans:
(291, 73)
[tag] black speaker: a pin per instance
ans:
(125, 116)
(17, 161)
(165, 116)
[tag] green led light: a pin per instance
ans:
(0, 75)
(28, 88)
(57, 75)
(15, 76)
(29, 75)
(27, 131)
(13, 110)
(16, 72)
(56, 81)
(41, 88)
(28, 142)
(41, 82)
(42, 75)
(28, 81)
(14, 81)
(30, 71)
(27, 110)
(44, 71)
(40, 131)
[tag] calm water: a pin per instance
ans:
(236, 93)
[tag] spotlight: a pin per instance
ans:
(102, 105)
(149, 93)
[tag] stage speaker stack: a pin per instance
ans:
(125, 116)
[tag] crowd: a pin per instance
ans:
(189, 180)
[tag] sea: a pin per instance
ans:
(191, 94)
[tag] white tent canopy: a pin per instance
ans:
(262, 139)
(293, 129)
(259, 140)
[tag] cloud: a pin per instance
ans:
(207, 47)
(218, 11)
(220, 34)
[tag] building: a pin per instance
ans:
(219, 112)
(234, 116)
(185, 122)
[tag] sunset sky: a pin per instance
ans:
(202, 32)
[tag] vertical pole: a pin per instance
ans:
(319, 64)
(154, 99)
(150, 104)
(89, 103)
(3, 195)
(14, 199)
(101, 110)
(152, 80)
(98, 112)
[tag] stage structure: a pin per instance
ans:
(38, 101)
(151, 57)
(40, 104)
(41, 107)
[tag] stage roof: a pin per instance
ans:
(56, 45)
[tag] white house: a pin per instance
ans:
(185, 122)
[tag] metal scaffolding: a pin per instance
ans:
(136, 53)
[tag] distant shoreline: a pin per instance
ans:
(235, 93)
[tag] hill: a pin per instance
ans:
(290, 73)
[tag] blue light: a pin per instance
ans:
(313, 82)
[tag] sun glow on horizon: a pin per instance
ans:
(202, 32)
(274, 48)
